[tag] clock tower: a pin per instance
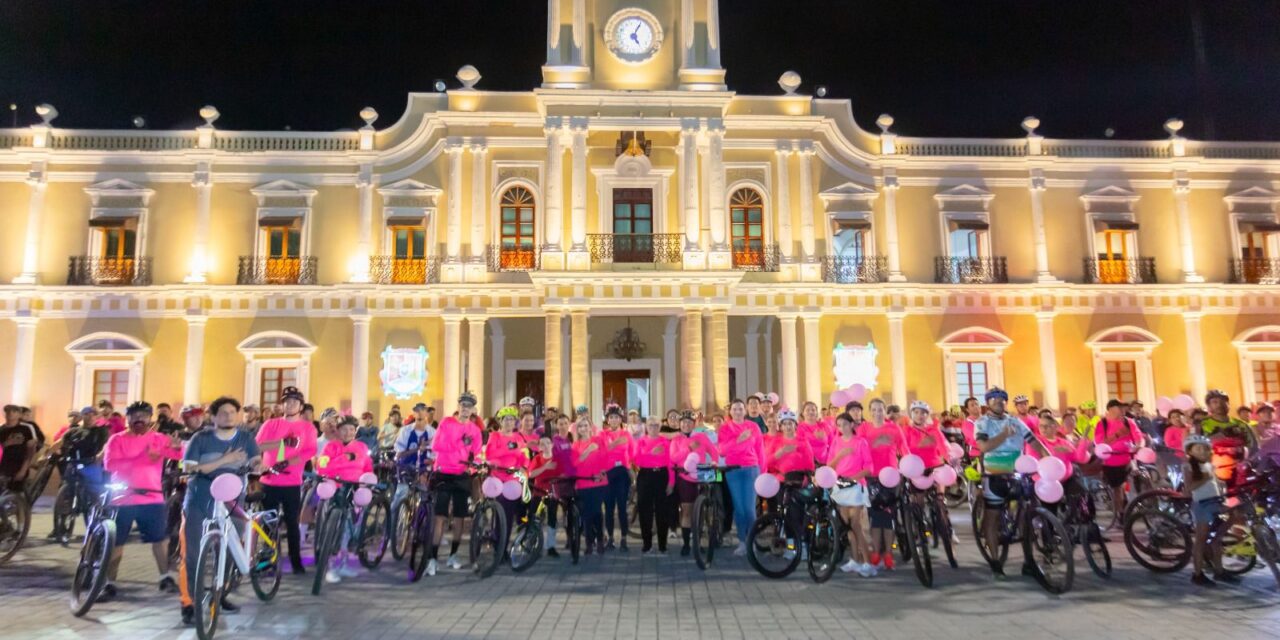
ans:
(636, 45)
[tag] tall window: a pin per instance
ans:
(971, 379)
(850, 242)
(1254, 245)
(1266, 380)
(409, 260)
(746, 216)
(273, 381)
(1122, 380)
(518, 216)
(118, 251)
(1113, 255)
(284, 248)
(966, 243)
(111, 385)
(633, 225)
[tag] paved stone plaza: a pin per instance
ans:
(626, 596)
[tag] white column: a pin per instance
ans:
(693, 364)
(38, 180)
(1195, 355)
(1181, 203)
(497, 365)
(898, 356)
(553, 32)
(479, 203)
(670, 383)
(1037, 228)
(202, 182)
(894, 257)
(808, 236)
(195, 359)
(553, 375)
(360, 363)
(452, 361)
(783, 209)
(555, 189)
(1048, 358)
(812, 360)
(716, 187)
(790, 373)
(752, 381)
(690, 195)
(687, 32)
(24, 357)
(453, 222)
(578, 195)
(579, 365)
(719, 326)
(475, 358)
(579, 33)
(713, 34)
(768, 383)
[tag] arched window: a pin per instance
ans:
(746, 216)
(1122, 367)
(274, 360)
(1259, 350)
(519, 212)
(108, 367)
(973, 361)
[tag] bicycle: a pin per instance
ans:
(708, 513)
(15, 521)
(1079, 515)
(39, 480)
(488, 529)
(339, 517)
(420, 527)
(1046, 543)
(225, 551)
(72, 501)
(773, 540)
(90, 576)
(925, 525)
(375, 528)
(527, 543)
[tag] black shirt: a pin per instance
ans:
(85, 443)
(15, 440)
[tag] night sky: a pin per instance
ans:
(942, 68)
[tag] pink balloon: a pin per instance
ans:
(363, 497)
(889, 477)
(911, 466)
(945, 475)
(1102, 450)
(840, 398)
(857, 391)
(512, 490)
(226, 487)
(1146, 455)
(1184, 402)
(954, 451)
(1164, 404)
(1052, 468)
(326, 489)
(492, 487)
(767, 485)
(1025, 464)
(1049, 490)
(825, 477)
(922, 482)
(369, 478)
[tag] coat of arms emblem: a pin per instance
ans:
(404, 372)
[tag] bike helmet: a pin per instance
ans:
(1194, 439)
(189, 411)
(1216, 393)
(582, 408)
(291, 393)
(467, 398)
(508, 412)
(772, 398)
(920, 404)
(612, 410)
(688, 415)
(785, 415)
(996, 392)
(527, 402)
(328, 414)
(140, 406)
(1088, 404)
(1020, 399)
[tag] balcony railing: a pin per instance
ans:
(394, 270)
(985, 270)
(512, 258)
(1126, 271)
(254, 270)
(766, 258)
(1254, 270)
(109, 272)
(635, 248)
(854, 269)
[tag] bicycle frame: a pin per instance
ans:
(237, 546)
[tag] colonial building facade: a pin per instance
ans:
(748, 242)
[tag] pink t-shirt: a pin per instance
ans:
(589, 459)
(1123, 436)
(887, 444)
(818, 434)
(928, 443)
(682, 445)
(339, 466)
(850, 455)
(128, 458)
(798, 458)
(503, 450)
(456, 443)
(738, 449)
(618, 444)
(280, 429)
(1173, 438)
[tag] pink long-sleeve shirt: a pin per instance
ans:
(279, 429)
(887, 444)
(588, 465)
(619, 445)
(818, 434)
(928, 443)
(128, 458)
(506, 450)
(739, 450)
(798, 459)
(1063, 449)
(682, 445)
(455, 444)
(338, 466)
(654, 452)
(849, 455)
(1123, 436)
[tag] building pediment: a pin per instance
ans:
(1110, 193)
(1254, 195)
(119, 192)
(848, 191)
(409, 188)
(278, 191)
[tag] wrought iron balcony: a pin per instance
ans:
(394, 270)
(255, 270)
(1254, 270)
(512, 258)
(635, 248)
(109, 272)
(1127, 271)
(855, 269)
(957, 270)
(766, 258)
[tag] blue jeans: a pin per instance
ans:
(742, 491)
(615, 500)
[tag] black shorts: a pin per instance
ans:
(452, 490)
(687, 491)
(884, 503)
(1115, 477)
(997, 489)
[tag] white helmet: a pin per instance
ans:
(785, 415)
(527, 402)
(920, 404)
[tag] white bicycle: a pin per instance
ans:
(224, 551)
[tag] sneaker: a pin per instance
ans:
(888, 561)
(868, 571)
(622, 546)
(298, 570)
(552, 553)
(168, 584)
(454, 563)
(188, 615)
(741, 550)
(875, 559)
(348, 572)
(608, 546)
(851, 566)
(1202, 580)
(648, 553)
(229, 606)
(332, 577)
(108, 594)
(432, 565)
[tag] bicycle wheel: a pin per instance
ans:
(264, 573)
(978, 514)
(1106, 516)
(65, 508)
(488, 530)
(1095, 549)
(917, 533)
(402, 536)
(825, 545)
(173, 527)
(36, 486)
(956, 495)
(374, 533)
(1158, 541)
(1264, 540)
(326, 543)
(771, 547)
(1239, 555)
(526, 545)
(573, 529)
(901, 540)
(704, 524)
(1047, 545)
(15, 524)
(91, 572)
(206, 597)
(1166, 500)
(943, 532)
(422, 528)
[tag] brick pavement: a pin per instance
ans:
(626, 596)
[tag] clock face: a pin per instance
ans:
(633, 35)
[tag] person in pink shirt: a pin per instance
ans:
(1175, 433)
(344, 458)
(850, 455)
(655, 484)
(136, 458)
(618, 446)
(589, 463)
(972, 411)
(1054, 439)
(814, 428)
(1022, 406)
(924, 437)
(457, 443)
(688, 441)
(742, 446)
(544, 469)
(506, 453)
(287, 444)
(887, 446)
(1124, 438)
(791, 458)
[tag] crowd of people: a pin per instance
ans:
(610, 457)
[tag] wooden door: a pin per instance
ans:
(284, 260)
(614, 387)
